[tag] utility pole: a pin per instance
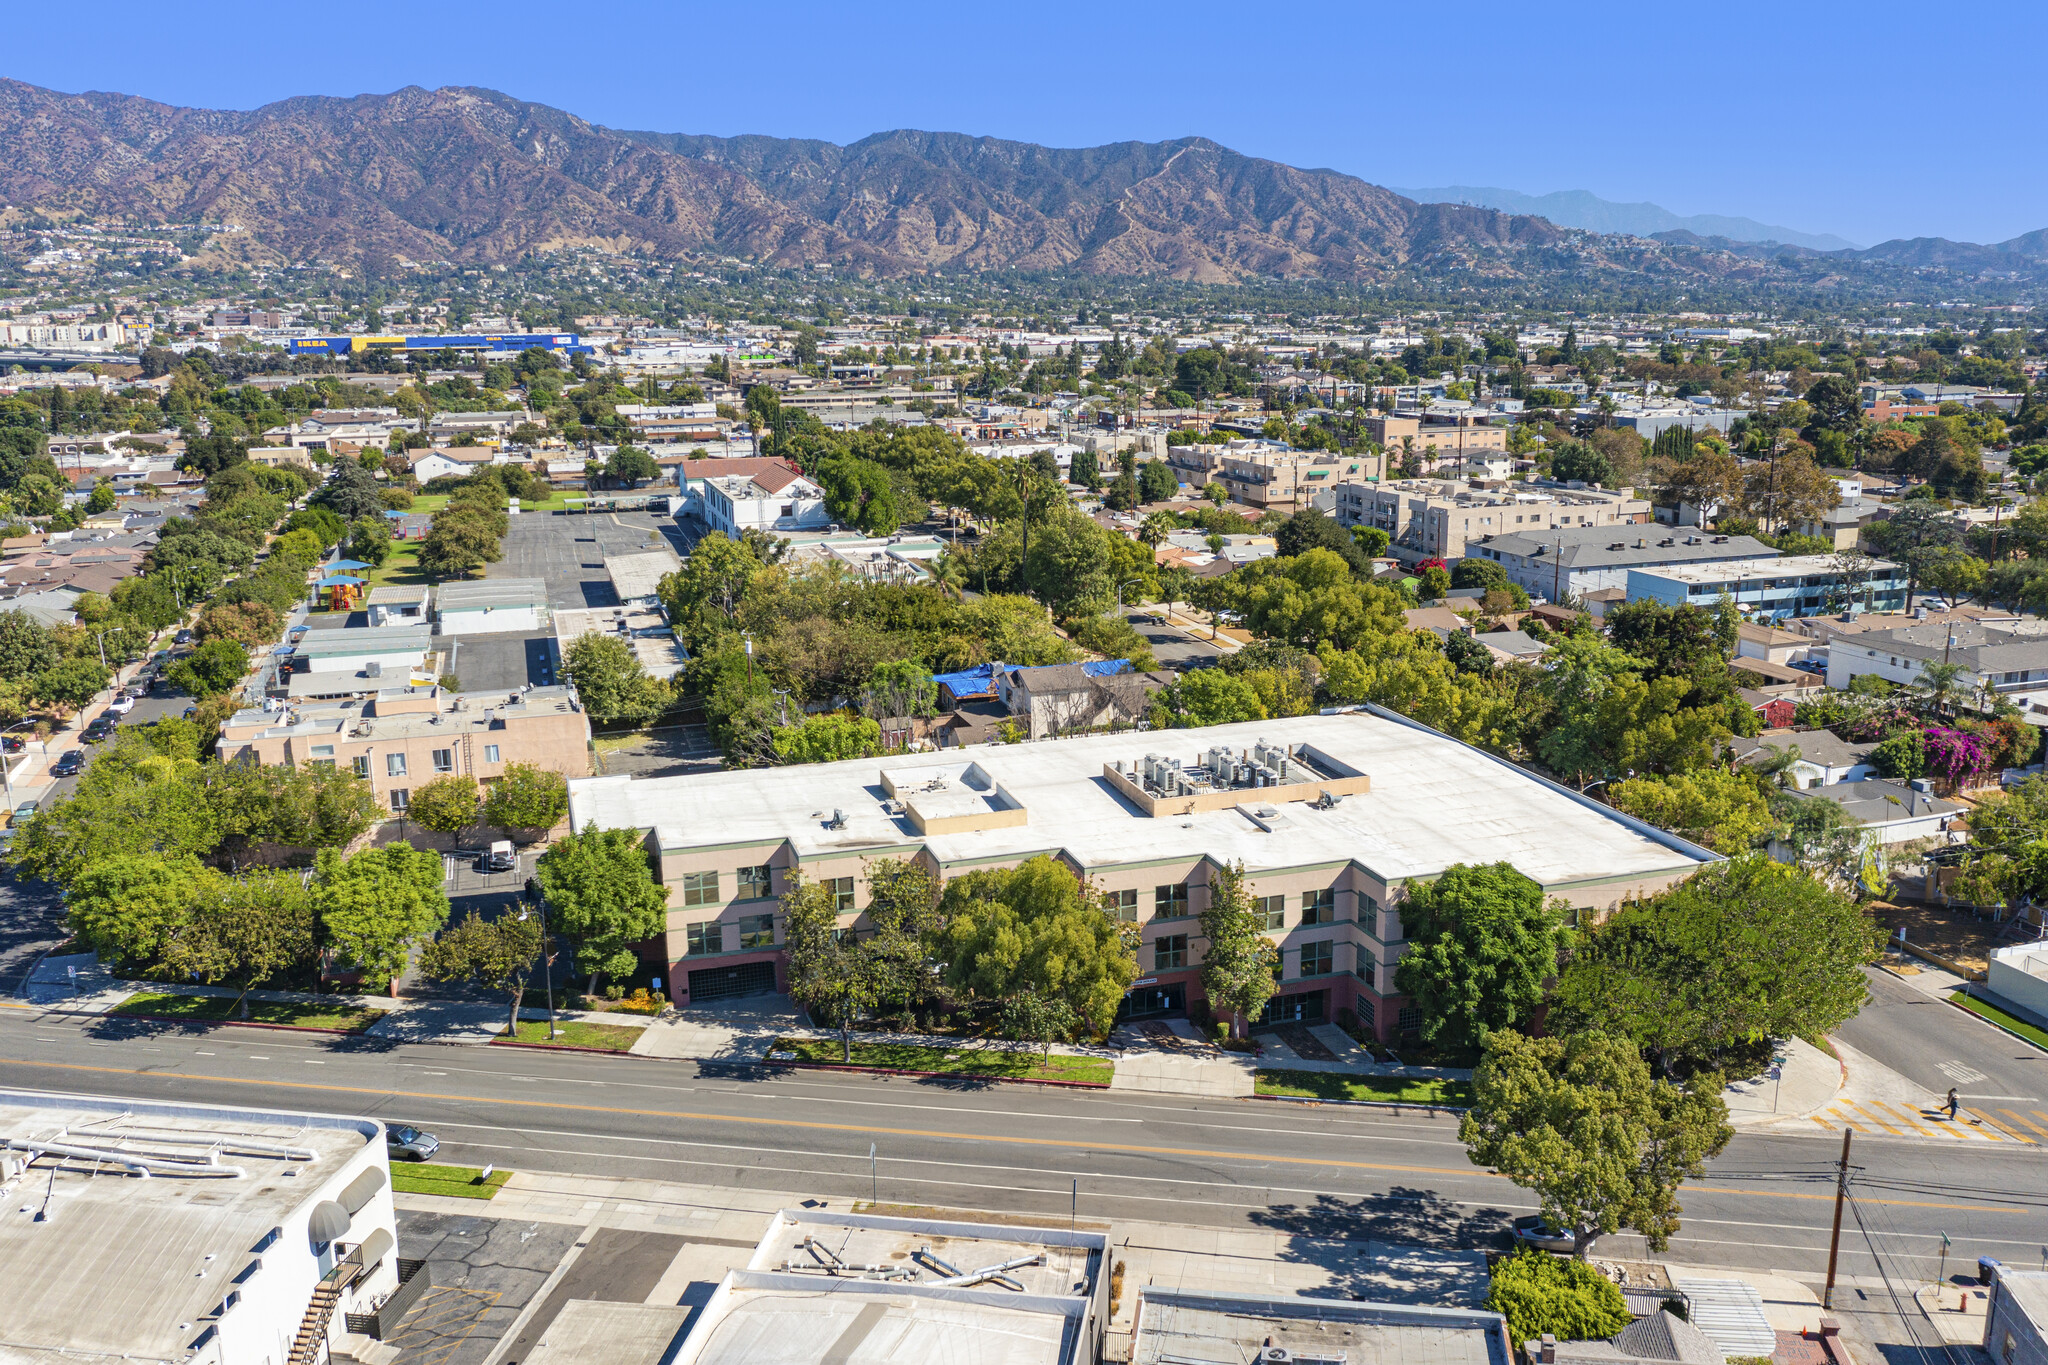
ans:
(1827, 1297)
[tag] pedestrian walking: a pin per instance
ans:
(1953, 1101)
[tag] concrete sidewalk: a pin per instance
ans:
(1800, 1081)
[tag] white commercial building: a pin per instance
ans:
(1444, 519)
(774, 500)
(495, 606)
(857, 1289)
(206, 1235)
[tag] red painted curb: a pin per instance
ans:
(243, 1023)
(949, 1075)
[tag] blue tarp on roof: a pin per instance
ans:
(979, 681)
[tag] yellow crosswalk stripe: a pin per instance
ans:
(2035, 1128)
(1919, 1122)
(1872, 1118)
(2014, 1127)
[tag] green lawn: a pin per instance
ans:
(1331, 1085)
(305, 1014)
(608, 1037)
(951, 1061)
(2038, 1037)
(430, 1177)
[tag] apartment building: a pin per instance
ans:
(1291, 479)
(1571, 561)
(1450, 435)
(1776, 588)
(1331, 816)
(1439, 518)
(2000, 659)
(401, 737)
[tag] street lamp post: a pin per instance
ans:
(1120, 593)
(6, 774)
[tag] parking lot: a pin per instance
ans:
(568, 549)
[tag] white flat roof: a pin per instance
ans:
(130, 1266)
(1741, 570)
(1434, 802)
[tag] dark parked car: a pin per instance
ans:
(100, 730)
(405, 1143)
(68, 762)
(23, 813)
(12, 744)
(184, 638)
(1532, 1231)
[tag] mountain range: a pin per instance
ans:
(469, 175)
(1581, 209)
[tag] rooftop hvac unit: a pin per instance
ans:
(373, 669)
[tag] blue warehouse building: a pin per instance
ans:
(568, 343)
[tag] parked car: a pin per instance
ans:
(121, 705)
(184, 638)
(99, 731)
(12, 744)
(499, 857)
(68, 762)
(1532, 1231)
(402, 1142)
(22, 813)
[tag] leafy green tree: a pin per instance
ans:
(1372, 542)
(1039, 1020)
(1953, 572)
(830, 973)
(1575, 461)
(603, 896)
(1721, 810)
(1240, 965)
(124, 804)
(631, 466)
(1210, 696)
(498, 954)
(1482, 940)
(714, 578)
(860, 494)
(213, 668)
(351, 491)
(446, 805)
(211, 454)
(610, 680)
(459, 542)
(1580, 1122)
(1084, 469)
(900, 688)
(526, 796)
(244, 932)
(1029, 928)
(1542, 1294)
(101, 499)
(376, 904)
(1902, 757)
(1742, 951)
(1310, 529)
(827, 738)
(26, 646)
(1157, 482)
(243, 623)
(325, 527)
(369, 539)
(125, 908)
(70, 684)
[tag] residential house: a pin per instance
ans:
(1887, 812)
(436, 462)
(1998, 660)
(1824, 758)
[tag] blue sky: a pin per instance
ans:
(1870, 121)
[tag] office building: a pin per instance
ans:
(1441, 518)
(1776, 588)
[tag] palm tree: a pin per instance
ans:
(1940, 683)
(1156, 527)
(949, 573)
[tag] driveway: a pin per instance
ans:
(568, 551)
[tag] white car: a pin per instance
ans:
(121, 705)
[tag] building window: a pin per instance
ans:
(363, 765)
(700, 888)
(1316, 958)
(706, 936)
(394, 765)
(1365, 969)
(1170, 902)
(753, 884)
(400, 799)
(321, 763)
(1409, 1019)
(1273, 910)
(1364, 1008)
(323, 750)
(1319, 907)
(1122, 905)
(444, 760)
(842, 893)
(1169, 952)
(490, 753)
(757, 931)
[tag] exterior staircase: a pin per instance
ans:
(306, 1347)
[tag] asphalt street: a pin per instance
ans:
(1934, 1044)
(1319, 1170)
(1176, 649)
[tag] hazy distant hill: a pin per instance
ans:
(463, 175)
(1579, 209)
